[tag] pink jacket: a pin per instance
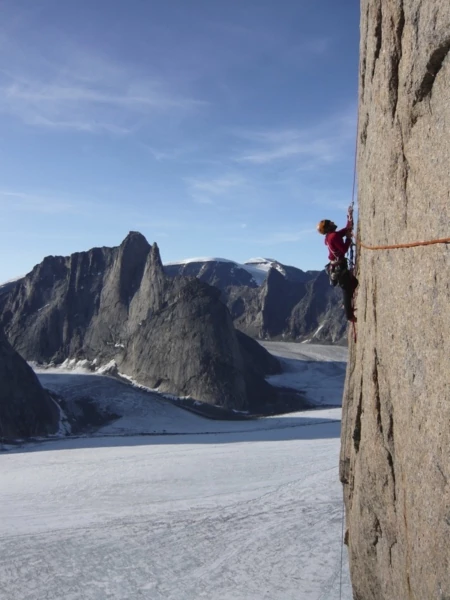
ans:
(336, 245)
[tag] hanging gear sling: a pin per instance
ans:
(351, 260)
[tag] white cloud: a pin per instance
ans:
(319, 151)
(274, 238)
(318, 46)
(41, 235)
(202, 190)
(184, 152)
(12, 200)
(309, 148)
(285, 237)
(246, 40)
(154, 224)
(198, 199)
(161, 155)
(73, 105)
(82, 91)
(331, 201)
(216, 186)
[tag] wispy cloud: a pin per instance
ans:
(331, 201)
(66, 104)
(163, 155)
(203, 191)
(274, 238)
(310, 147)
(248, 40)
(183, 151)
(285, 237)
(43, 235)
(199, 199)
(11, 200)
(158, 223)
(79, 90)
(318, 151)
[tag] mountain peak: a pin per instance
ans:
(135, 237)
(156, 256)
(259, 260)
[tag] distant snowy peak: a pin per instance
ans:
(260, 260)
(219, 272)
(223, 272)
(259, 268)
(187, 261)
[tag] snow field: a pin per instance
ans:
(225, 511)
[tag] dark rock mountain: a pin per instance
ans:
(6, 287)
(116, 305)
(220, 273)
(320, 311)
(281, 309)
(26, 409)
(268, 300)
(224, 273)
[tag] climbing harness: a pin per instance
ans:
(335, 269)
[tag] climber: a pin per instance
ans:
(337, 268)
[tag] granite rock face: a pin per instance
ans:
(117, 304)
(395, 457)
(26, 409)
(220, 273)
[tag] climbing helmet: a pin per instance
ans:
(323, 226)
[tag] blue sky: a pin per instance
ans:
(216, 128)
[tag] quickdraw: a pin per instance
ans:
(351, 255)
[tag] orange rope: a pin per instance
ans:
(410, 245)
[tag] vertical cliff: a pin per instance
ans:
(395, 458)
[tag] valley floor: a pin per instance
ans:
(221, 511)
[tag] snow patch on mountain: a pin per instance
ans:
(258, 268)
(259, 260)
(187, 261)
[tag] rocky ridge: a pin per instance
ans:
(117, 306)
